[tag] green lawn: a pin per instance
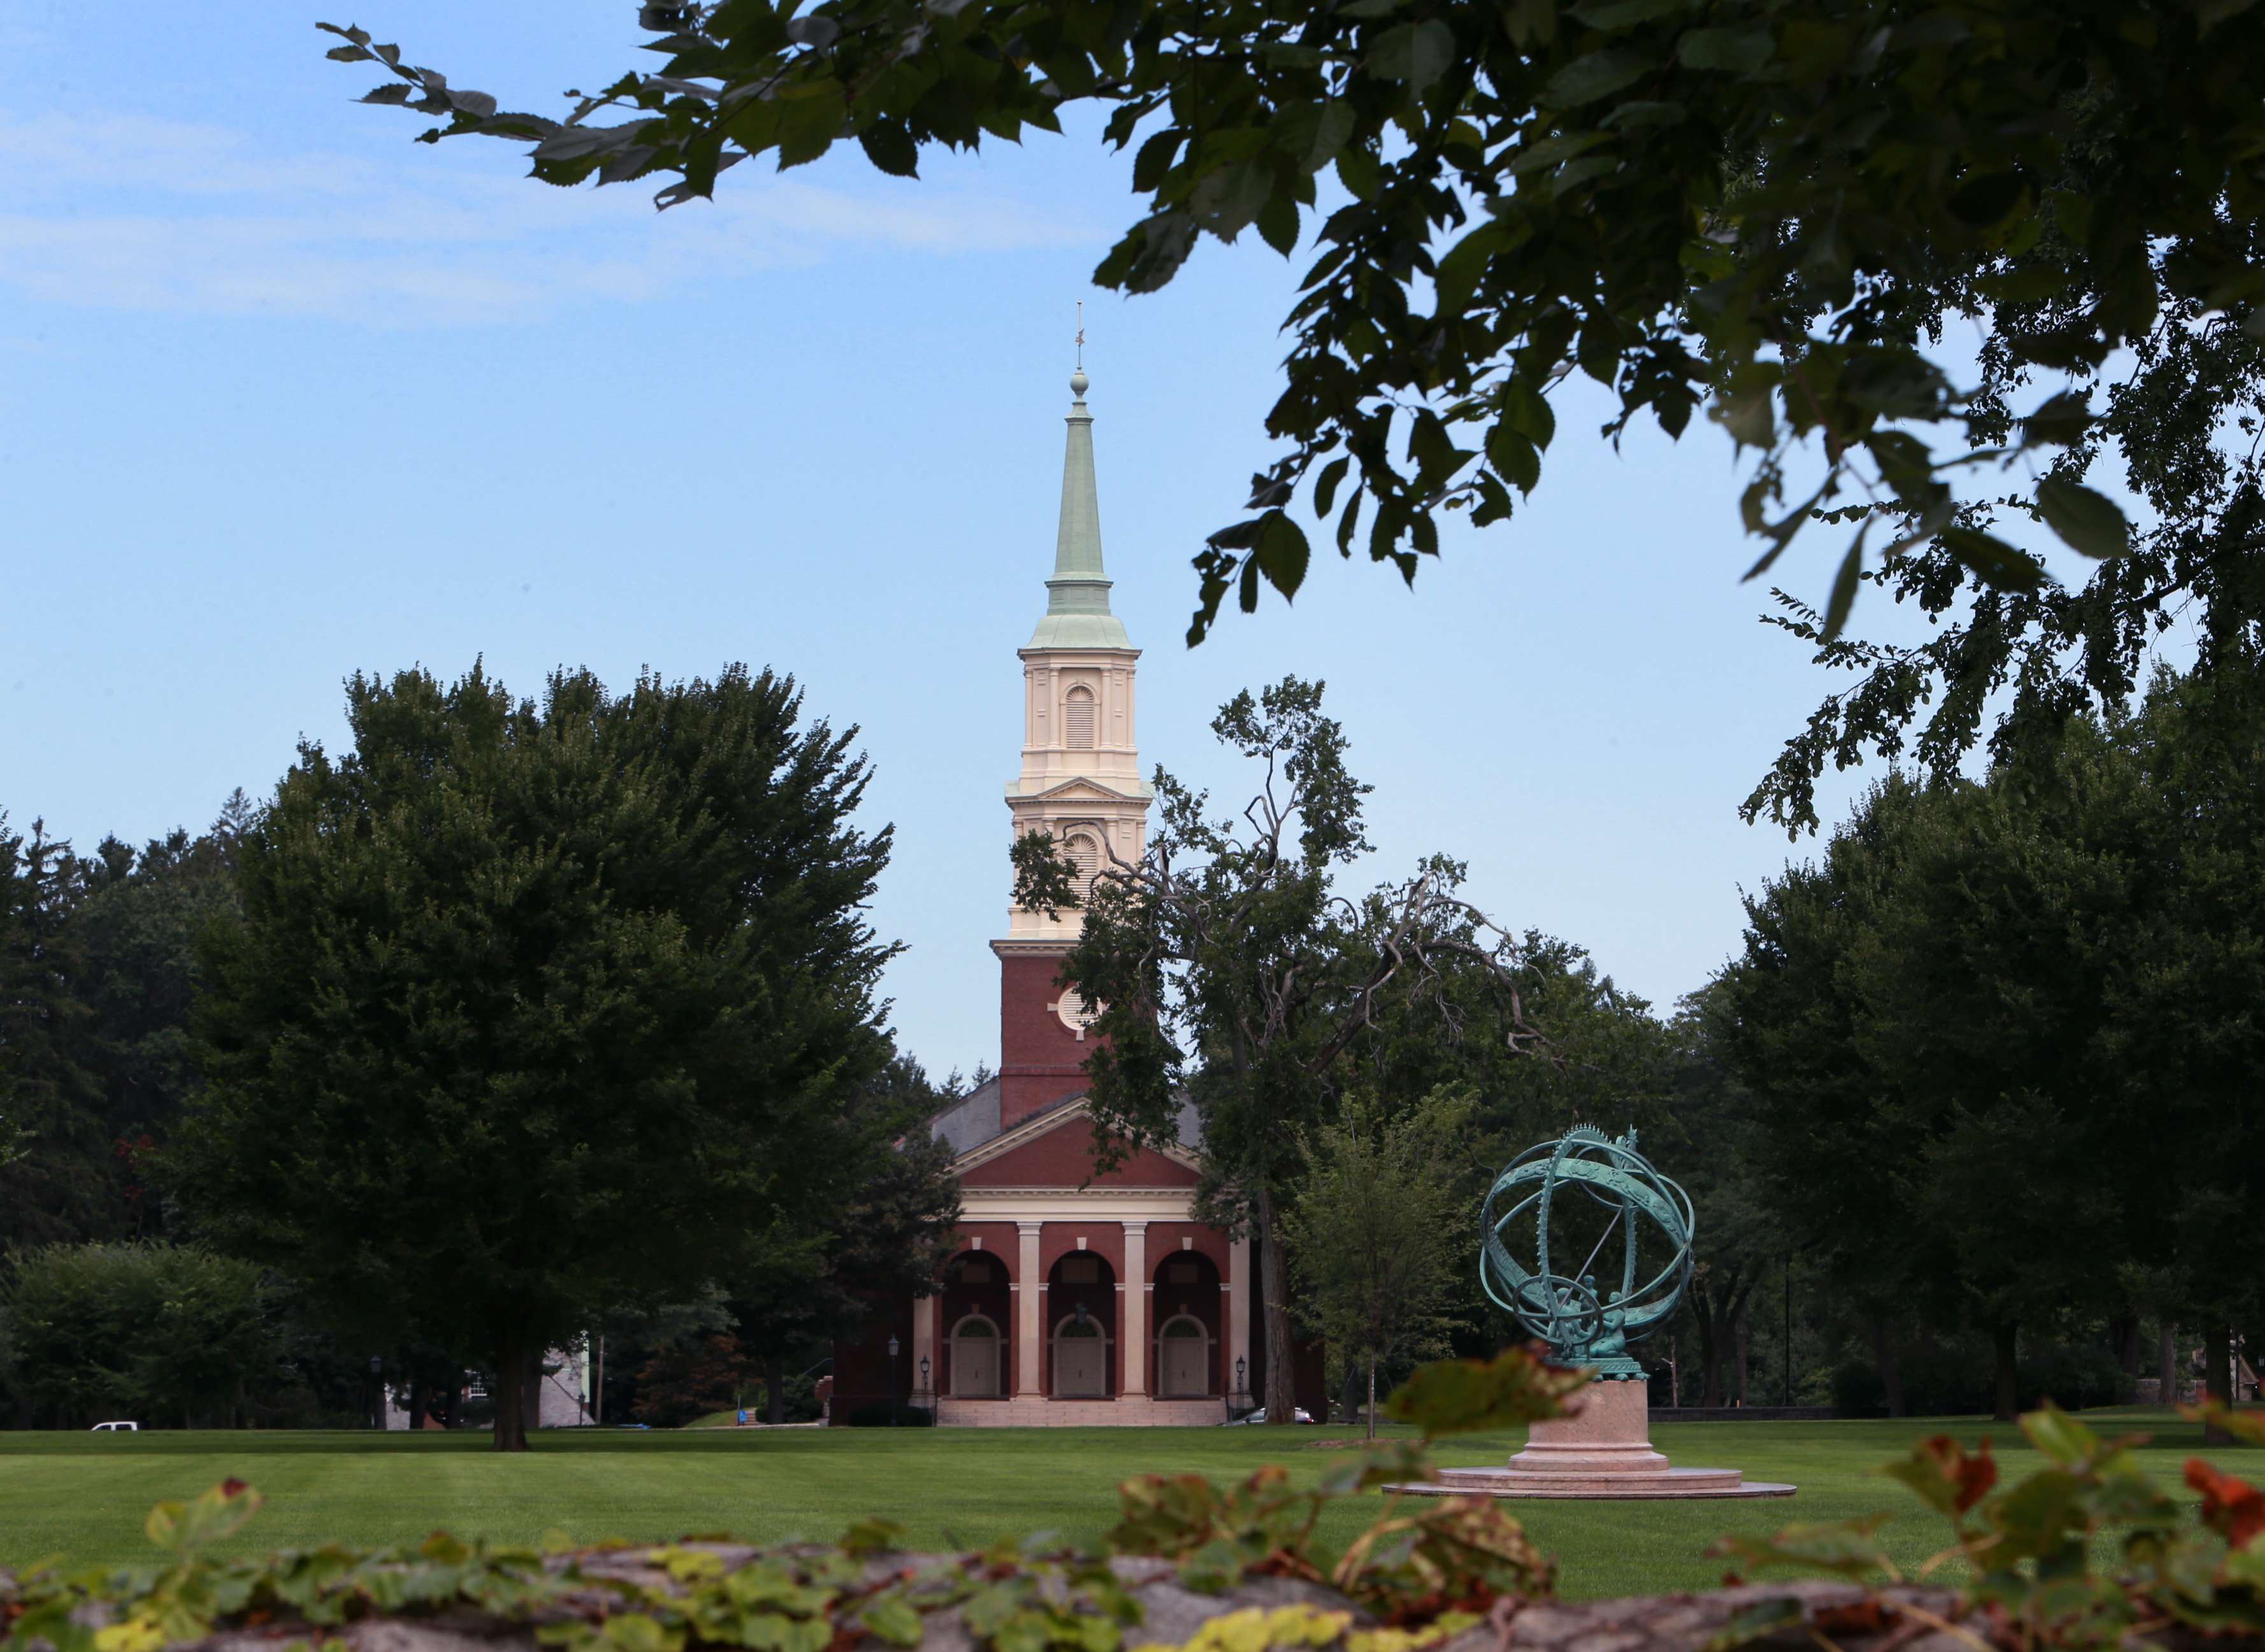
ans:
(84, 1496)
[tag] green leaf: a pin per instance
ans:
(1645, 114)
(1278, 223)
(889, 147)
(1358, 171)
(810, 118)
(1154, 159)
(1416, 53)
(1527, 411)
(1282, 553)
(1750, 415)
(1844, 587)
(1513, 458)
(873, 1536)
(1998, 562)
(1618, 14)
(639, 1631)
(1845, 1549)
(2038, 279)
(1311, 134)
(1985, 202)
(209, 1518)
(1556, 150)
(2061, 422)
(2089, 521)
(1597, 75)
(1474, 1396)
(892, 1619)
(1735, 51)
(1753, 1623)
(2058, 1434)
(1459, 271)
(2209, 13)
(1325, 489)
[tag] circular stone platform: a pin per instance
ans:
(1602, 1450)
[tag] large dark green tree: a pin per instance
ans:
(57, 1180)
(1921, 1017)
(98, 953)
(1706, 1141)
(1772, 209)
(535, 1009)
(2010, 1024)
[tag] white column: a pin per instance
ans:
(1027, 1286)
(1132, 1311)
(1238, 1314)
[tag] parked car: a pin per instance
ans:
(1259, 1416)
(115, 1428)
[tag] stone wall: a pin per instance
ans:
(1832, 1614)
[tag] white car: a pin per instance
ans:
(115, 1428)
(1259, 1416)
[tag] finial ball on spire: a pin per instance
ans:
(1077, 384)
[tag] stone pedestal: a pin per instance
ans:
(1604, 1450)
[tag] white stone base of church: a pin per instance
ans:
(1033, 1411)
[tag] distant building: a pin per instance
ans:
(1073, 1298)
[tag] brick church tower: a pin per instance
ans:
(1081, 780)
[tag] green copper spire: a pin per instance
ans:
(1077, 597)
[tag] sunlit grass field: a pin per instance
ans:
(85, 1495)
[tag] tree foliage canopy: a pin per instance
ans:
(2013, 1024)
(152, 1332)
(1768, 209)
(1381, 1226)
(97, 970)
(535, 1010)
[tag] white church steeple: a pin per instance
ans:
(1081, 776)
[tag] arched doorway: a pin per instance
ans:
(975, 1359)
(1080, 1317)
(1188, 1325)
(977, 1285)
(1183, 1358)
(1080, 1358)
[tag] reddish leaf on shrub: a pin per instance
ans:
(2233, 1508)
(1946, 1477)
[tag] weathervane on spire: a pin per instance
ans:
(1081, 334)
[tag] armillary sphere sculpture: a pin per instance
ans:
(1564, 1308)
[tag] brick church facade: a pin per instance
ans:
(1071, 1299)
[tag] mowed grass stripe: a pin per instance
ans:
(85, 1496)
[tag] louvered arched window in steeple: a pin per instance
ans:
(1077, 720)
(1085, 854)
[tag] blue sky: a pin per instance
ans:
(285, 395)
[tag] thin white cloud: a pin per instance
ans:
(134, 214)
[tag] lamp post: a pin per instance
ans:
(377, 1391)
(892, 1379)
(1241, 1391)
(925, 1389)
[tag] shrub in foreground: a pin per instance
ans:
(1426, 1570)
